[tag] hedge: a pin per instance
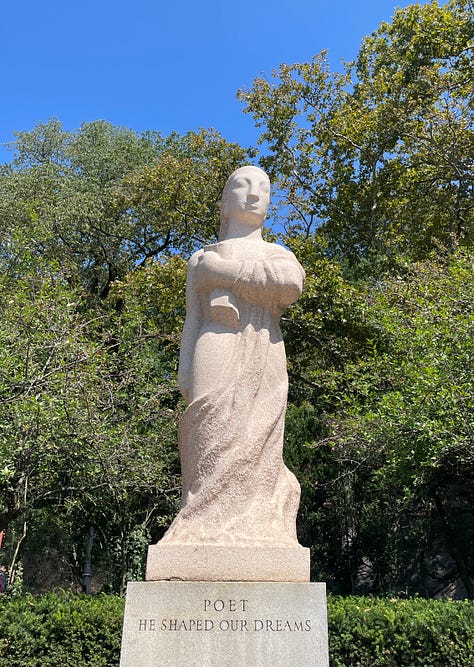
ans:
(65, 630)
(376, 632)
(61, 630)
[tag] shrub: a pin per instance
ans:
(61, 630)
(65, 630)
(373, 632)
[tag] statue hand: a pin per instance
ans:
(214, 271)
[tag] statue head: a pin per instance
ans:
(245, 199)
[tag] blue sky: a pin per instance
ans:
(162, 65)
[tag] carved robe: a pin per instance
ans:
(236, 488)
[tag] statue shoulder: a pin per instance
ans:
(277, 251)
(194, 259)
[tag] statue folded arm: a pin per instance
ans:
(213, 271)
(278, 280)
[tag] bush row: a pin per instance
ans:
(64, 630)
(385, 632)
(60, 630)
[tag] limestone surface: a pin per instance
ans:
(233, 624)
(203, 562)
(236, 489)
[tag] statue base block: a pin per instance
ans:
(220, 563)
(226, 624)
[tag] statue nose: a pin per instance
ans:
(253, 198)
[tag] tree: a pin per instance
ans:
(378, 159)
(88, 430)
(415, 426)
(104, 200)
(382, 438)
(96, 225)
(374, 171)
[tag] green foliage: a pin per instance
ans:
(88, 428)
(413, 428)
(428, 319)
(379, 157)
(390, 453)
(325, 330)
(61, 630)
(369, 632)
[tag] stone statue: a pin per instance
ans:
(231, 557)
(232, 373)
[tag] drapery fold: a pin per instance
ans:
(236, 488)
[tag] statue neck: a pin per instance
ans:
(237, 230)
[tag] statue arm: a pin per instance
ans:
(192, 326)
(286, 276)
(279, 279)
(214, 272)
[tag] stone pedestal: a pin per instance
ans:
(225, 624)
(220, 563)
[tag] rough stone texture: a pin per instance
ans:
(243, 597)
(197, 624)
(236, 489)
(215, 563)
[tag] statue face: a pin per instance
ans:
(247, 196)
